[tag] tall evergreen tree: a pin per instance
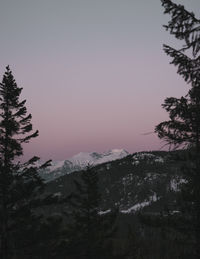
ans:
(183, 127)
(20, 183)
(91, 232)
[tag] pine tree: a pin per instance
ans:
(20, 183)
(91, 232)
(183, 127)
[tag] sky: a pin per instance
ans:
(93, 72)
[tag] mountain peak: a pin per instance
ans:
(80, 161)
(93, 158)
(117, 151)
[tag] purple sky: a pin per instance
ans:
(93, 71)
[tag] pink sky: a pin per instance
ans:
(93, 72)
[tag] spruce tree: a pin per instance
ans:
(182, 130)
(91, 232)
(20, 183)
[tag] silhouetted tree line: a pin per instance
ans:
(182, 130)
(28, 233)
(24, 231)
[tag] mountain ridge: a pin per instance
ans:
(79, 162)
(144, 181)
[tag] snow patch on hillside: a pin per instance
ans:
(141, 205)
(150, 158)
(175, 184)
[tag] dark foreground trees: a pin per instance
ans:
(91, 231)
(183, 127)
(20, 184)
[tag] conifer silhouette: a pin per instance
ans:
(91, 232)
(20, 183)
(183, 127)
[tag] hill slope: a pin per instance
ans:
(145, 181)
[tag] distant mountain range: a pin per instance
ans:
(144, 181)
(144, 186)
(79, 162)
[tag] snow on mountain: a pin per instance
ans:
(81, 161)
(138, 157)
(141, 205)
(95, 158)
(138, 182)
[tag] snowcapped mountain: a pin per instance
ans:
(80, 161)
(143, 181)
(144, 186)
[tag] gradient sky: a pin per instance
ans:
(93, 71)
